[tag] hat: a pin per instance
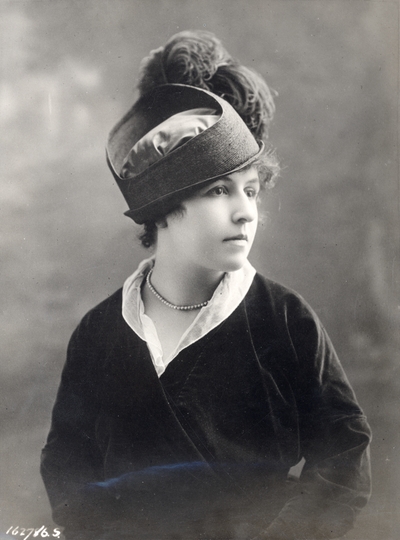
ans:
(165, 137)
(153, 177)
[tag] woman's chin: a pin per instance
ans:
(234, 265)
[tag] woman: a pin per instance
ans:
(189, 394)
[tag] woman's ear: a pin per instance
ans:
(178, 212)
(162, 223)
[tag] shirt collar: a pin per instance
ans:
(226, 298)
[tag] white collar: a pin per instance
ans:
(226, 298)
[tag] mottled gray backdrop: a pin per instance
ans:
(68, 70)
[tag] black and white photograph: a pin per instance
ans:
(200, 269)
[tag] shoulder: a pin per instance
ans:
(271, 296)
(105, 309)
(101, 319)
(283, 314)
(94, 339)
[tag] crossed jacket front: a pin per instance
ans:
(209, 444)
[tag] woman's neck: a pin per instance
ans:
(181, 285)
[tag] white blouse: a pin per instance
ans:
(226, 298)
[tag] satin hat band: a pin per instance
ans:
(222, 145)
(166, 137)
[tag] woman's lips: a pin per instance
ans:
(239, 239)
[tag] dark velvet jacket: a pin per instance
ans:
(204, 451)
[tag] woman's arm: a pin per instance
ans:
(334, 436)
(71, 458)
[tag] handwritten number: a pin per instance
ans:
(26, 533)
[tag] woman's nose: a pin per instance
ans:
(245, 209)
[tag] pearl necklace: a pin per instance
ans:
(168, 304)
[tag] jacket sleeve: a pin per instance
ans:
(71, 459)
(334, 437)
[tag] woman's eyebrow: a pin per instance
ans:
(251, 180)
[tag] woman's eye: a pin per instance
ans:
(252, 193)
(218, 190)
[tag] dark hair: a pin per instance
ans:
(198, 58)
(268, 169)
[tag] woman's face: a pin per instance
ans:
(218, 225)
